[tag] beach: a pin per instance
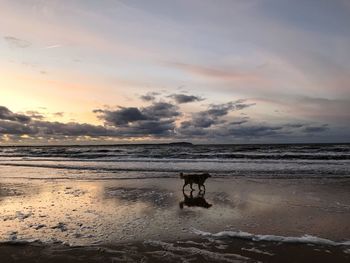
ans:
(47, 215)
(175, 131)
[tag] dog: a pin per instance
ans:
(191, 179)
(194, 201)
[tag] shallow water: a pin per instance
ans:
(135, 210)
(85, 212)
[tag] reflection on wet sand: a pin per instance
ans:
(194, 201)
(89, 212)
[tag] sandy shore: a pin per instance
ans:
(151, 219)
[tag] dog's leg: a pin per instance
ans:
(181, 204)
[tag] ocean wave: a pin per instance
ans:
(222, 152)
(217, 170)
(210, 255)
(305, 239)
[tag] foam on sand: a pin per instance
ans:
(305, 239)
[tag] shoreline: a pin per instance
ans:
(193, 250)
(113, 213)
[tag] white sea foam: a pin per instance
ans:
(212, 256)
(305, 239)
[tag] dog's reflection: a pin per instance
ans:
(198, 200)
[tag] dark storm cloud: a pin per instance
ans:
(219, 110)
(158, 119)
(70, 129)
(123, 116)
(16, 42)
(241, 129)
(183, 98)
(42, 129)
(202, 120)
(145, 128)
(213, 115)
(161, 110)
(6, 114)
(15, 128)
(30, 124)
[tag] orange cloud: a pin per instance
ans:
(220, 74)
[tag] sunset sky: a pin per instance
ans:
(226, 71)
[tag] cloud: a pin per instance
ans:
(47, 129)
(6, 114)
(35, 115)
(252, 131)
(52, 46)
(16, 42)
(315, 129)
(205, 71)
(123, 116)
(233, 130)
(15, 128)
(148, 128)
(219, 110)
(183, 98)
(58, 114)
(158, 120)
(239, 122)
(150, 96)
(213, 115)
(70, 129)
(161, 110)
(216, 73)
(31, 124)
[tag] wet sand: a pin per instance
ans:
(152, 220)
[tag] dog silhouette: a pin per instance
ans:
(191, 179)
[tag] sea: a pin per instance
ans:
(167, 160)
(102, 212)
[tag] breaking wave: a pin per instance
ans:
(305, 239)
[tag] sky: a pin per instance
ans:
(204, 71)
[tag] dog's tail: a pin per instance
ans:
(181, 175)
